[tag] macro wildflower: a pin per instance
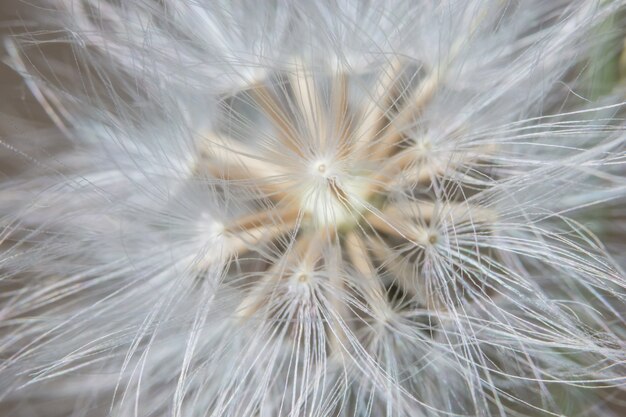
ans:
(316, 209)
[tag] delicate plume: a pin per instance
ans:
(264, 209)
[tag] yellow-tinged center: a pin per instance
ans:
(330, 196)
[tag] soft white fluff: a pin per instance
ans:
(398, 208)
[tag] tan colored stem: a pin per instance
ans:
(226, 158)
(285, 215)
(387, 143)
(361, 261)
(269, 105)
(307, 99)
(374, 115)
(341, 120)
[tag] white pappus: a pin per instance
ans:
(353, 208)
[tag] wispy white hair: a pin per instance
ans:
(262, 209)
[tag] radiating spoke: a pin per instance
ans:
(342, 120)
(308, 100)
(224, 158)
(396, 130)
(282, 122)
(376, 108)
(360, 259)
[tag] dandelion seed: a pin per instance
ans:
(316, 209)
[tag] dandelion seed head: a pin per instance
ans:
(317, 209)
